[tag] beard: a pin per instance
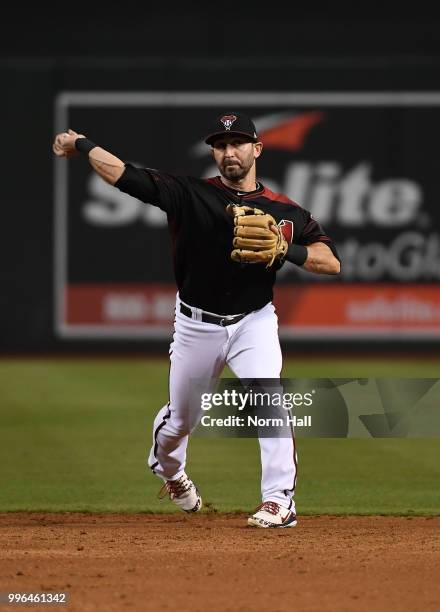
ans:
(236, 171)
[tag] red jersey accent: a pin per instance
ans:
(287, 229)
(263, 192)
(277, 197)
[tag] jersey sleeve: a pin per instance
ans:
(166, 191)
(311, 231)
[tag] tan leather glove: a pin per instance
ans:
(257, 238)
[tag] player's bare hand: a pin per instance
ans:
(64, 144)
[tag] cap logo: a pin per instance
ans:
(228, 120)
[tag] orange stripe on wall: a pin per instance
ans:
(363, 306)
(338, 306)
(120, 304)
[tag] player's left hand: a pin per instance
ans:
(64, 144)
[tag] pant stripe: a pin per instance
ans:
(295, 461)
(158, 428)
(167, 416)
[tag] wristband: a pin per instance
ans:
(84, 145)
(296, 254)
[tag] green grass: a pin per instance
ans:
(75, 435)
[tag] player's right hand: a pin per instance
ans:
(64, 144)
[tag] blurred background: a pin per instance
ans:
(347, 105)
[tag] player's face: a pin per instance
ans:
(235, 155)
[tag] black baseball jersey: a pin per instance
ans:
(202, 232)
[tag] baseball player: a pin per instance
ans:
(230, 235)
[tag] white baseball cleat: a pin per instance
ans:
(270, 514)
(183, 492)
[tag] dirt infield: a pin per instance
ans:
(210, 562)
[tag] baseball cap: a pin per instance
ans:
(232, 123)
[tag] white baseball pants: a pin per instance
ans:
(199, 350)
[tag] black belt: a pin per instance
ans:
(209, 318)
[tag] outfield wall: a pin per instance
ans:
(354, 141)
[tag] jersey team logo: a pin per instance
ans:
(228, 120)
(286, 228)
